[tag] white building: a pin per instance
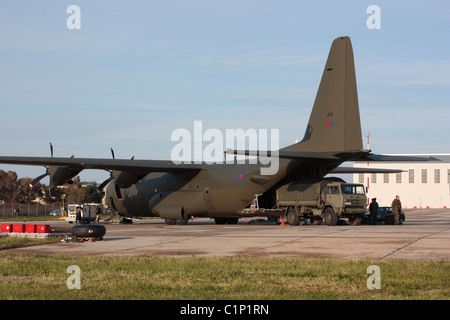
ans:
(422, 185)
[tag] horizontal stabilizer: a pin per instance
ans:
(365, 170)
(301, 155)
(394, 158)
(295, 155)
(358, 155)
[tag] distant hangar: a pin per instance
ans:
(421, 185)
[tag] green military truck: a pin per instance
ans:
(328, 200)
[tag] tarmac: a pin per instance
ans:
(424, 235)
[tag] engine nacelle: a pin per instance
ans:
(125, 179)
(61, 175)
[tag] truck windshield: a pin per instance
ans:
(352, 189)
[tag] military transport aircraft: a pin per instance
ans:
(178, 191)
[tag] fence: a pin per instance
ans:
(27, 210)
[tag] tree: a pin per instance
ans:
(25, 194)
(18, 190)
(8, 185)
(87, 194)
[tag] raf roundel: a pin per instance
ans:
(240, 176)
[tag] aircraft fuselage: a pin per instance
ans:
(220, 191)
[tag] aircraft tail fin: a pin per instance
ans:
(334, 124)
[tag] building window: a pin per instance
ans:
(411, 175)
(361, 178)
(437, 176)
(424, 175)
(386, 178)
(374, 178)
(398, 177)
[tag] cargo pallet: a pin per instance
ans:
(86, 239)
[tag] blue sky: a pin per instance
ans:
(138, 70)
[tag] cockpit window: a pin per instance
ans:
(352, 189)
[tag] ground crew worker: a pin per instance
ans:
(373, 209)
(78, 209)
(396, 209)
(98, 211)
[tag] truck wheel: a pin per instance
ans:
(292, 217)
(330, 216)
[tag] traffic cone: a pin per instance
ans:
(282, 221)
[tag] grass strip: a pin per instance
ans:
(146, 277)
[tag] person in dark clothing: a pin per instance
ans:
(373, 209)
(79, 210)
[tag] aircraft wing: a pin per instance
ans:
(125, 172)
(106, 164)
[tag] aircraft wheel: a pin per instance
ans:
(330, 216)
(123, 220)
(226, 220)
(88, 231)
(220, 220)
(292, 217)
(232, 220)
(182, 222)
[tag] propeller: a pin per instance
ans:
(51, 195)
(114, 175)
(104, 183)
(36, 180)
(58, 175)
